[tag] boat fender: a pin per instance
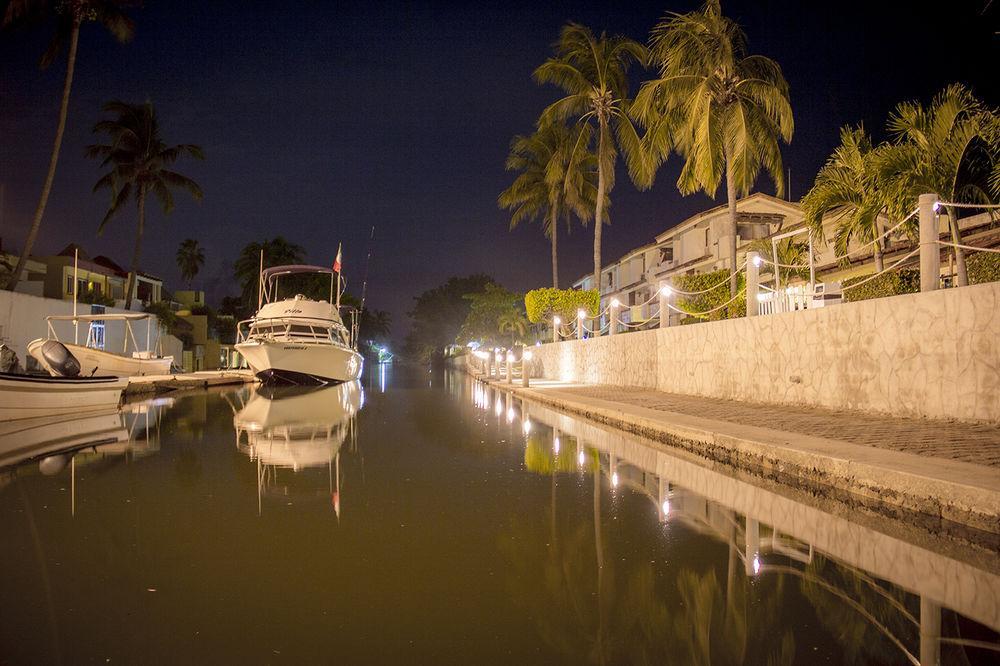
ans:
(60, 359)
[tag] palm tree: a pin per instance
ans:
(727, 110)
(138, 159)
(549, 184)
(851, 188)
(69, 16)
(190, 259)
(277, 252)
(950, 148)
(515, 322)
(592, 71)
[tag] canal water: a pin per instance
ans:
(425, 518)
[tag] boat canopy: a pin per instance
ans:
(291, 269)
(108, 316)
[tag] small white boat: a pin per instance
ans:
(26, 396)
(95, 361)
(40, 436)
(298, 340)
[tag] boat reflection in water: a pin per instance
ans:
(298, 428)
(905, 595)
(62, 442)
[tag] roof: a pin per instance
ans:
(292, 269)
(790, 206)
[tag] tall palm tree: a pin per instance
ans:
(593, 72)
(549, 184)
(69, 16)
(190, 259)
(952, 148)
(727, 110)
(137, 158)
(515, 322)
(851, 187)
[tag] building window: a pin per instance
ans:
(69, 285)
(667, 254)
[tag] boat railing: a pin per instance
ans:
(291, 329)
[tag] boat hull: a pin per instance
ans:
(301, 364)
(25, 396)
(96, 362)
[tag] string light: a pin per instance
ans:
(666, 291)
(615, 303)
(581, 314)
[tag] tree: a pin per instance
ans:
(190, 259)
(493, 311)
(515, 322)
(137, 158)
(850, 187)
(68, 16)
(550, 183)
(277, 252)
(593, 72)
(375, 325)
(951, 148)
(438, 315)
(727, 110)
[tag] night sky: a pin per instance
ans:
(321, 119)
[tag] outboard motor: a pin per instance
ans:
(9, 361)
(60, 359)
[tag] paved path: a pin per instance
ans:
(940, 469)
(978, 444)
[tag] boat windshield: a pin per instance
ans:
(287, 331)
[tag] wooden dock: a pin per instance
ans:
(164, 383)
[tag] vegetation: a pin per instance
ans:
(167, 317)
(983, 267)
(723, 110)
(277, 252)
(138, 159)
(951, 148)
(94, 297)
(712, 299)
(190, 259)
(593, 72)
(899, 281)
(438, 314)
(791, 252)
(551, 183)
(851, 188)
(493, 312)
(541, 304)
(68, 17)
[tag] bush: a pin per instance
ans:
(892, 283)
(711, 299)
(548, 301)
(983, 267)
(97, 298)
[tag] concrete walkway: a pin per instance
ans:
(944, 470)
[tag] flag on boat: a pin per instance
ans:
(336, 262)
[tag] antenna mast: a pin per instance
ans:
(368, 261)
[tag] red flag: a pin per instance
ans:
(336, 262)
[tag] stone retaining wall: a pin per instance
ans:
(934, 354)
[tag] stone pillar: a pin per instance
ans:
(753, 282)
(930, 632)
(556, 321)
(580, 317)
(613, 315)
(930, 251)
(510, 366)
(525, 369)
(489, 364)
(665, 292)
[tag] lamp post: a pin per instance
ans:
(665, 293)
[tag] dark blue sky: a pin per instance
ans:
(320, 119)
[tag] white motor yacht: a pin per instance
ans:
(298, 340)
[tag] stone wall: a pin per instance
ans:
(934, 355)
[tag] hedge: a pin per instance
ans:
(983, 267)
(543, 303)
(891, 283)
(712, 299)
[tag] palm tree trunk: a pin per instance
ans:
(879, 261)
(599, 209)
(956, 237)
(555, 254)
(134, 270)
(43, 200)
(731, 198)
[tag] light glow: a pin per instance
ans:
(556, 321)
(614, 479)
(581, 458)
(666, 290)
(937, 206)
(666, 507)
(510, 415)
(615, 303)
(527, 426)
(527, 355)
(555, 445)
(756, 565)
(581, 314)
(757, 261)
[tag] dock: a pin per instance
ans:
(148, 384)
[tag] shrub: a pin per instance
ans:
(97, 298)
(891, 283)
(710, 299)
(548, 301)
(983, 267)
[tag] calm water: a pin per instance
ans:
(425, 518)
